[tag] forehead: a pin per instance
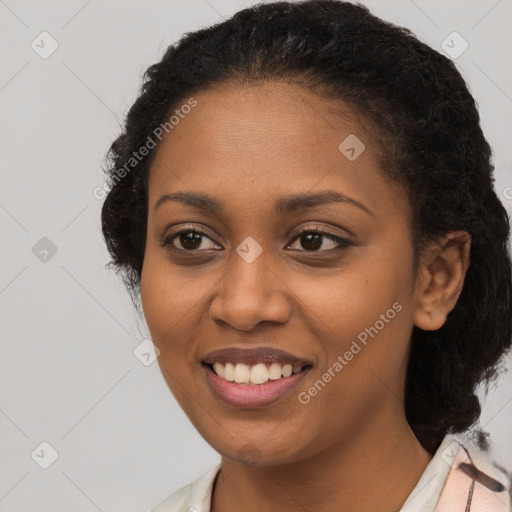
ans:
(251, 115)
(249, 142)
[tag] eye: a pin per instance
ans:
(189, 239)
(314, 240)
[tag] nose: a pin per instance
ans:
(249, 294)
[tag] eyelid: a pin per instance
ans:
(186, 228)
(323, 230)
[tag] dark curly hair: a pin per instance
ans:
(427, 127)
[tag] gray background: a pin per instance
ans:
(68, 374)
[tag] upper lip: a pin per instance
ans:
(254, 355)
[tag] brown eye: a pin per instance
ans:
(311, 240)
(189, 240)
(186, 240)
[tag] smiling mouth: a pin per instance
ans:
(254, 374)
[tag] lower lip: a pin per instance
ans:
(250, 396)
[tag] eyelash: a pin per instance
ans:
(166, 242)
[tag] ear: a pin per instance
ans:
(440, 280)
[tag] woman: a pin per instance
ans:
(302, 201)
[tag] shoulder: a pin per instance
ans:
(475, 480)
(194, 497)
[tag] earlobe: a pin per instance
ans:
(443, 270)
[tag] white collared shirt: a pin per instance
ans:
(196, 496)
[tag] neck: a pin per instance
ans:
(376, 469)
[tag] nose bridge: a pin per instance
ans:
(249, 269)
(250, 292)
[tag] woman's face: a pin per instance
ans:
(240, 276)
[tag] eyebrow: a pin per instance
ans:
(282, 206)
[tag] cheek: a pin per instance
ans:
(168, 305)
(365, 315)
(167, 296)
(365, 348)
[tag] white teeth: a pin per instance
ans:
(229, 372)
(242, 373)
(274, 372)
(257, 374)
(219, 369)
(287, 370)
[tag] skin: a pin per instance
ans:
(351, 444)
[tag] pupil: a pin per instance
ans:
(315, 243)
(188, 238)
